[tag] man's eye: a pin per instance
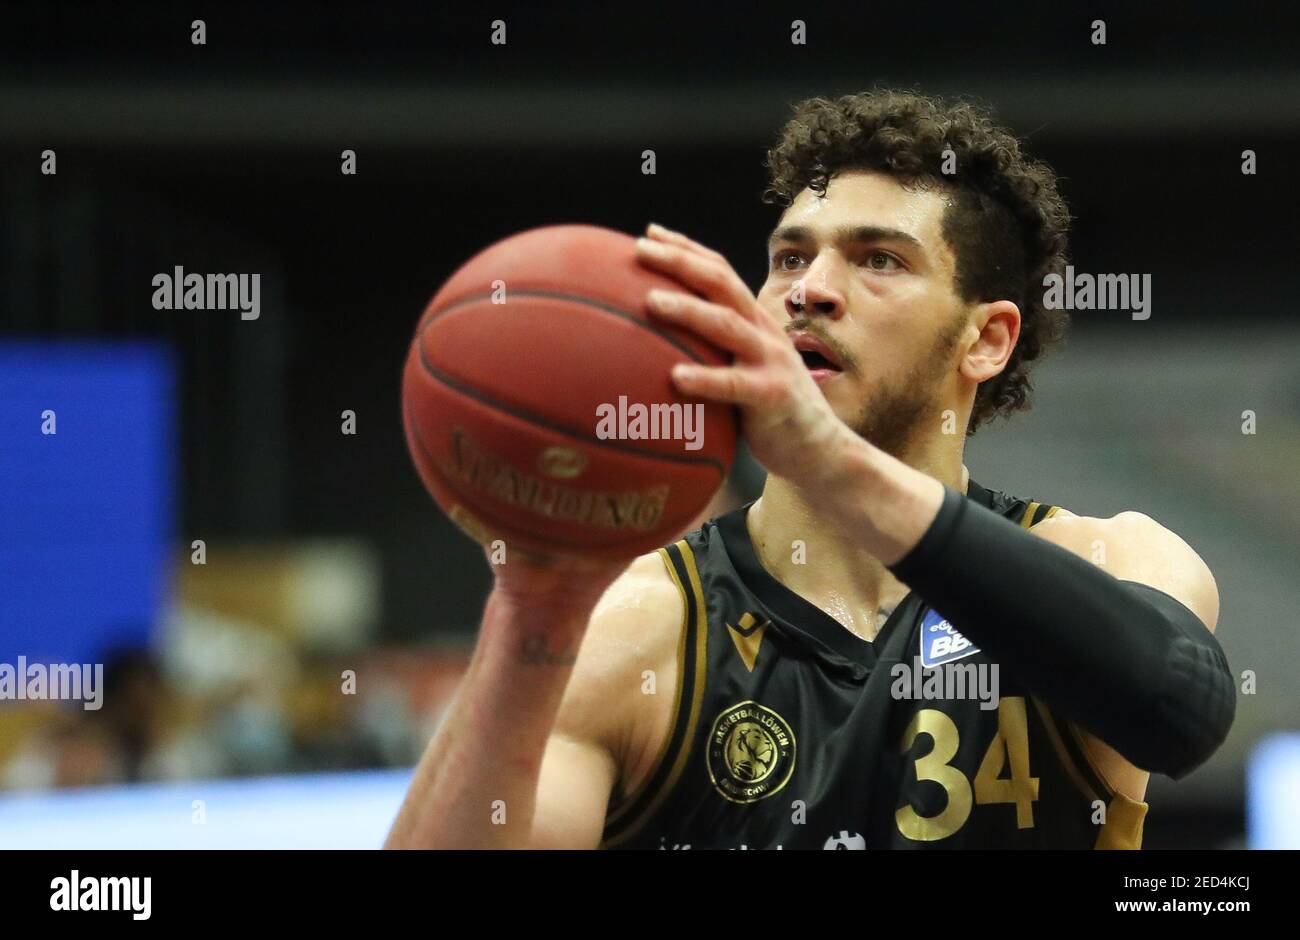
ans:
(787, 261)
(882, 261)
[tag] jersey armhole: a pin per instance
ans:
(1124, 815)
(1121, 827)
(625, 819)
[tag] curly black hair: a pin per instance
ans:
(1006, 222)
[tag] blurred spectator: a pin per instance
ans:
(278, 708)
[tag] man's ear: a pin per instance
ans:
(998, 323)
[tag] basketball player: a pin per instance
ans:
(784, 676)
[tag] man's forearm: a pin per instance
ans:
(476, 786)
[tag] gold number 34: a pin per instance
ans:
(1010, 742)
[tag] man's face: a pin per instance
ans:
(877, 282)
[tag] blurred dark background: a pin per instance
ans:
(226, 157)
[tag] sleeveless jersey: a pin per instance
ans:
(790, 732)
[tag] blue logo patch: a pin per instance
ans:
(940, 641)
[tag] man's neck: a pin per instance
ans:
(810, 554)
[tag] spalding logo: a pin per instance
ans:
(561, 463)
(466, 462)
(941, 643)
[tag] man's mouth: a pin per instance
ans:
(817, 357)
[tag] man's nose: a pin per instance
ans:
(817, 294)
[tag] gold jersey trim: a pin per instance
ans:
(1027, 520)
(1123, 827)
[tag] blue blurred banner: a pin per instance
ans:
(311, 811)
(86, 496)
(1272, 782)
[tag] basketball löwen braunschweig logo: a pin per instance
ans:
(751, 752)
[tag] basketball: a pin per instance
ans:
(538, 406)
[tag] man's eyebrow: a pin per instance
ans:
(802, 235)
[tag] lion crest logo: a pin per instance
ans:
(751, 752)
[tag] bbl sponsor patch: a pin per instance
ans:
(751, 752)
(940, 641)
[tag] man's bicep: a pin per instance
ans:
(572, 794)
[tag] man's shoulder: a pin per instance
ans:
(1134, 547)
(634, 625)
(645, 582)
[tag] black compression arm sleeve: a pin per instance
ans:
(1127, 662)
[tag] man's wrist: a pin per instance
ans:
(845, 465)
(883, 503)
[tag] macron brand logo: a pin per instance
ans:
(941, 643)
(106, 893)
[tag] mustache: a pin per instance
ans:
(806, 324)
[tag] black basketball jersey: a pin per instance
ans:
(791, 732)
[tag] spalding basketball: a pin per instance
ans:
(538, 405)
